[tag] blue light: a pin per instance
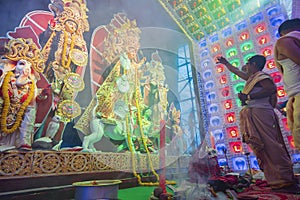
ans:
(211, 96)
(273, 10)
(221, 148)
(276, 21)
(209, 85)
(218, 134)
(256, 18)
(207, 74)
(296, 157)
(204, 53)
(222, 162)
(213, 108)
(214, 38)
(227, 32)
(241, 25)
(254, 162)
(239, 163)
(203, 43)
(215, 121)
(205, 63)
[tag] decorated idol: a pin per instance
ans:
(20, 70)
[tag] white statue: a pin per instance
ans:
(53, 126)
(97, 131)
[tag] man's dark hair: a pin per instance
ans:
(290, 24)
(259, 60)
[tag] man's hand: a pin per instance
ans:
(243, 98)
(222, 60)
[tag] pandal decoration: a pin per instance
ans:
(78, 57)
(68, 109)
(74, 81)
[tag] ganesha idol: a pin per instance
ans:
(22, 88)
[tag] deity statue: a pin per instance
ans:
(66, 55)
(176, 132)
(19, 92)
(132, 94)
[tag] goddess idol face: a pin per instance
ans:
(23, 67)
(71, 26)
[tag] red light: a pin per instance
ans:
(267, 51)
(276, 77)
(229, 42)
(223, 79)
(291, 141)
(236, 147)
(225, 92)
(216, 57)
(260, 28)
(285, 125)
(271, 64)
(230, 117)
(220, 68)
(216, 48)
(227, 104)
(263, 39)
(280, 91)
(232, 131)
(244, 36)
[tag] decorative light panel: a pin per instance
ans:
(237, 30)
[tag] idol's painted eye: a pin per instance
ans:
(21, 63)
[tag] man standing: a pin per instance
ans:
(287, 57)
(259, 124)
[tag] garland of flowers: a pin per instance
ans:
(6, 106)
(143, 136)
(63, 62)
(129, 142)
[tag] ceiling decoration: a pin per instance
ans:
(200, 18)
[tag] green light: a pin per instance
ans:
(235, 62)
(214, 4)
(234, 77)
(233, 6)
(248, 56)
(247, 46)
(238, 87)
(238, 102)
(218, 13)
(199, 35)
(205, 20)
(223, 22)
(237, 15)
(231, 52)
(201, 12)
(210, 29)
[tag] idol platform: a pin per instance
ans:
(50, 174)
